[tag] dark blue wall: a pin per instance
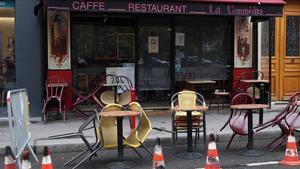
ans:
(29, 53)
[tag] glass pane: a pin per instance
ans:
(263, 56)
(292, 35)
(154, 56)
(7, 53)
(95, 47)
(206, 51)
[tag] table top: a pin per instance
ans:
(114, 84)
(249, 106)
(190, 108)
(53, 84)
(255, 81)
(121, 113)
(201, 81)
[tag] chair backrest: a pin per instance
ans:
(107, 130)
(55, 87)
(242, 98)
(144, 126)
(187, 98)
(127, 83)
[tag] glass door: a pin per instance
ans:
(154, 84)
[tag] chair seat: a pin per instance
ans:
(222, 93)
(183, 113)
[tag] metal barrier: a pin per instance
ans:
(18, 118)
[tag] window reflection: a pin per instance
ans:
(7, 54)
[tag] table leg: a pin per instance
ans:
(189, 154)
(261, 101)
(121, 164)
(120, 139)
(189, 132)
(250, 151)
(116, 91)
(204, 130)
(250, 130)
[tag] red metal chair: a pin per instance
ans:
(283, 120)
(238, 119)
(91, 96)
(54, 86)
(242, 87)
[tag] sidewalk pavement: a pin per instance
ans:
(159, 118)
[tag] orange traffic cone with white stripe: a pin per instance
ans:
(158, 161)
(26, 164)
(291, 153)
(9, 162)
(212, 161)
(46, 162)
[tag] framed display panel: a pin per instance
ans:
(105, 44)
(125, 45)
(242, 42)
(58, 39)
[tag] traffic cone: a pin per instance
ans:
(291, 153)
(9, 162)
(26, 164)
(46, 162)
(158, 161)
(212, 161)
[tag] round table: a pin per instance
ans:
(190, 154)
(250, 151)
(120, 164)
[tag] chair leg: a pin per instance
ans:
(76, 157)
(230, 140)
(135, 150)
(77, 165)
(147, 149)
(280, 142)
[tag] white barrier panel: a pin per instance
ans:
(18, 118)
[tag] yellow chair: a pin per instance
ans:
(125, 98)
(186, 98)
(106, 132)
(108, 97)
(137, 136)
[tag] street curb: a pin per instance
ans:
(167, 141)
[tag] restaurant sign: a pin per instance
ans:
(170, 7)
(7, 4)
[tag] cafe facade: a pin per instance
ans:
(159, 45)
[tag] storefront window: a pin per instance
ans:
(7, 51)
(96, 47)
(203, 48)
(292, 35)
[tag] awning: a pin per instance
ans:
(188, 7)
(242, 1)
